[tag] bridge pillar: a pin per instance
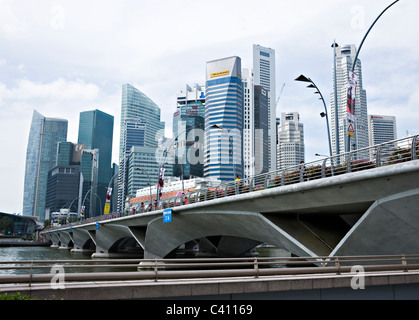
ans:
(251, 227)
(115, 241)
(390, 226)
(55, 238)
(83, 242)
(66, 240)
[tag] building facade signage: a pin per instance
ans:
(219, 74)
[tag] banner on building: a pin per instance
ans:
(352, 82)
(107, 208)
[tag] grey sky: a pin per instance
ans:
(62, 57)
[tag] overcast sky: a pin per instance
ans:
(65, 57)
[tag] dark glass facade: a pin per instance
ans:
(96, 133)
(41, 156)
(63, 188)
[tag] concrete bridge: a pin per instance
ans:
(366, 212)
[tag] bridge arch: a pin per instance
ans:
(238, 231)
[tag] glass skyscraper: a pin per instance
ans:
(44, 136)
(188, 124)
(264, 75)
(224, 119)
(136, 105)
(96, 133)
(134, 135)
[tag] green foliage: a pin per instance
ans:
(6, 224)
(14, 296)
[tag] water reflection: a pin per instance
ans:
(17, 254)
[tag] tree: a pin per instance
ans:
(7, 225)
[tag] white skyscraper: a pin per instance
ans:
(248, 123)
(290, 140)
(339, 134)
(381, 129)
(264, 75)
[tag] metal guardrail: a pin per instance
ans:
(389, 153)
(160, 269)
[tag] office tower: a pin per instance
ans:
(290, 140)
(248, 124)
(340, 125)
(69, 154)
(188, 129)
(262, 138)
(223, 119)
(381, 129)
(41, 155)
(265, 76)
(96, 133)
(144, 168)
(136, 105)
(256, 127)
(63, 189)
(134, 135)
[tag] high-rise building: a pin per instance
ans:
(136, 105)
(262, 138)
(381, 129)
(188, 128)
(41, 155)
(265, 76)
(144, 168)
(69, 154)
(223, 119)
(290, 140)
(63, 189)
(248, 124)
(134, 135)
(256, 127)
(345, 56)
(96, 133)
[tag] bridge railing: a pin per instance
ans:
(384, 154)
(46, 271)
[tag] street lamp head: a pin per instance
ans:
(311, 86)
(303, 79)
(322, 114)
(215, 126)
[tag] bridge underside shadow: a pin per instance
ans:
(388, 226)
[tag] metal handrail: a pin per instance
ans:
(256, 267)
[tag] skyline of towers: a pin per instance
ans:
(231, 100)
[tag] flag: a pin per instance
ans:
(350, 106)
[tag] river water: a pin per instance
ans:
(17, 254)
(35, 253)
